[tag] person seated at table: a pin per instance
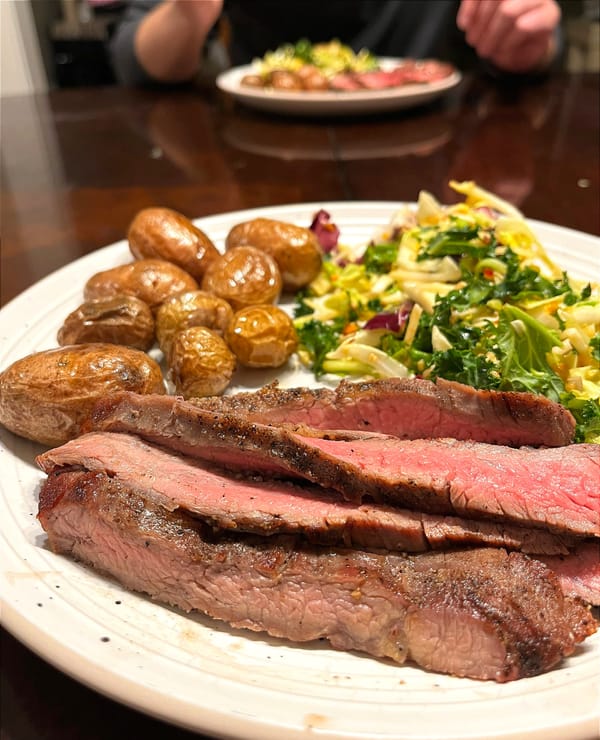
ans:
(165, 40)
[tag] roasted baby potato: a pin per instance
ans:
(262, 336)
(295, 249)
(123, 319)
(150, 280)
(165, 234)
(244, 276)
(47, 395)
(252, 81)
(312, 78)
(195, 308)
(281, 79)
(200, 362)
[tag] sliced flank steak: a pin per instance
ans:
(482, 613)
(578, 572)
(269, 506)
(553, 488)
(410, 409)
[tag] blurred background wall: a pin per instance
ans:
(62, 43)
(21, 66)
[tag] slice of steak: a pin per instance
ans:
(410, 409)
(379, 79)
(553, 488)
(344, 82)
(267, 507)
(426, 70)
(481, 613)
(579, 573)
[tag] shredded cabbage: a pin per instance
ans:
(482, 303)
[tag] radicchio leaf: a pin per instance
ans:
(395, 321)
(326, 232)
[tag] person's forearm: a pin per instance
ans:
(168, 43)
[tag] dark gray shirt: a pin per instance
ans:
(401, 28)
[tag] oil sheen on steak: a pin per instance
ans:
(482, 613)
(409, 408)
(554, 488)
(269, 506)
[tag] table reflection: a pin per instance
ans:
(387, 139)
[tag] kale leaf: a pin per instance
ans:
(380, 258)
(318, 338)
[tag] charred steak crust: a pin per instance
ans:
(264, 507)
(482, 613)
(409, 408)
(438, 476)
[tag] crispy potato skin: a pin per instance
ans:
(308, 77)
(46, 396)
(162, 233)
(244, 276)
(262, 336)
(150, 280)
(195, 308)
(295, 249)
(200, 362)
(123, 319)
(281, 79)
(252, 81)
(312, 78)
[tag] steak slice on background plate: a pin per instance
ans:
(410, 409)
(269, 506)
(377, 79)
(482, 613)
(345, 82)
(551, 488)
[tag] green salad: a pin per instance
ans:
(330, 58)
(464, 292)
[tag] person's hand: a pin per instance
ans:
(515, 35)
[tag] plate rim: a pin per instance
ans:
(331, 101)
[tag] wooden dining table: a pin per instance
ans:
(78, 164)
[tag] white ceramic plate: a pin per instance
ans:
(333, 102)
(199, 673)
